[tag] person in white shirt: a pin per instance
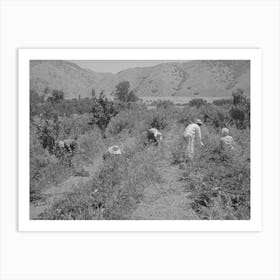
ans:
(70, 145)
(154, 136)
(191, 133)
(226, 141)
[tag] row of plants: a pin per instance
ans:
(115, 190)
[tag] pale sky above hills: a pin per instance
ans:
(115, 66)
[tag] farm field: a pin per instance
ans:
(181, 99)
(146, 181)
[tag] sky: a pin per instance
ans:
(115, 66)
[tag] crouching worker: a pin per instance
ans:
(114, 150)
(191, 133)
(226, 141)
(154, 136)
(70, 145)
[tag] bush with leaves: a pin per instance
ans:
(114, 191)
(123, 94)
(56, 97)
(220, 181)
(133, 120)
(225, 102)
(102, 111)
(240, 111)
(164, 104)
(197, 102)
(45, 169)
(157, 119)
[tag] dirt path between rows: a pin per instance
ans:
(56, 192)
(167, 200)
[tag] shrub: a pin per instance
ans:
(113, 192)
(132, 120)
(164, 104)
(157, 119)
(102, 111)
(123, 94)
(220, 181)
(74, 126)
(223, 192)
(223, 102)
(240, 111)
(197, 102)
(213, 115)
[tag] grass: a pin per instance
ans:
(220, 181)
(219, 184)
(113, 192)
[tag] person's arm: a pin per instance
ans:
(199, 136)
(233, 144)
(221, 144)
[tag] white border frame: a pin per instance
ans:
(254, 55)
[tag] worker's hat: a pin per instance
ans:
(225, 131)
(198, 121)
(61, 144)
(115, 150)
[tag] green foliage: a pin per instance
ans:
(35, 103)
(45, 169)
(213, 115)
(90, 145)
(57, 96)
(240, 111)
(219, 183)
(158, 119)
(164, 104)
(123, 120)
(197, 102)
(222, 102)
(113, 193)
(223, 190)
(138, 119)
(75, 126)
(123, 94)
(102, 111)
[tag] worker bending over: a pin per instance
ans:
(192, 132)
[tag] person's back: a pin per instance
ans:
(71, 144)
(226, 141)
(154, 134)
(192, 130)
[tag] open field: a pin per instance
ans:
(145, 181)
(181, 99)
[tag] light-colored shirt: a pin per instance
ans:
(156, 133)
(69, 142)
(193, 130)
(227, 142)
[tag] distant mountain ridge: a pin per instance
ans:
(200, 78)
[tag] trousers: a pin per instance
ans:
(190, 146)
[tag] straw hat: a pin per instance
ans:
(115, 150)
(225, 131)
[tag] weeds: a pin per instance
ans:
(113, 193)
(219, 184)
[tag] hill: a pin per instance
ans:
(75, 81)
(200, 78)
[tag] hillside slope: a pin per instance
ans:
(201, 78)
(66, 76)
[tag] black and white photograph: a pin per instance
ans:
(140, 139)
